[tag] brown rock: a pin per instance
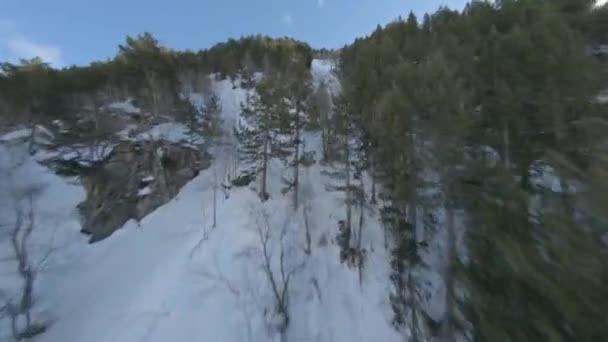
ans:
(134, 180)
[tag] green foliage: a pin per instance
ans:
(193, 118)
(142, 68)
(71, 168)
(243, 179)
(532, 280)
(212, 119)
(512, 75)
(252, 129)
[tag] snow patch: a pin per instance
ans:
(42, 136)
(322, 71)
(144, 192)
(125, 106)
(170, 131)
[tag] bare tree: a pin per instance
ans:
(244, 297)
(278, 279)
(19, 308)
(22, 257)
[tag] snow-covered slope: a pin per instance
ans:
(323, 71)
(174, 277)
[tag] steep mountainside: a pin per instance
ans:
(174, 276)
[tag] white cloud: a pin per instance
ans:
(321, 3)
(287, 19)
(15, 46)
(21, 47)
(600, 2)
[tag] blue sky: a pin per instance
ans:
(65, 32)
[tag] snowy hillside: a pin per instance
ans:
(175, 277)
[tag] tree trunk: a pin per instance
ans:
(360, 233)
(324, 138)
(32, 140)
(506, 143)
(215, 202)
(361, 215)
(263, 193)
(307, 227)
(296, 165)
(373, 176)
(348, 185)
(448, 323)
(413, 305)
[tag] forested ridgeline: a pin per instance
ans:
(143, 70)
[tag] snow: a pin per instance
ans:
(85, 155)
(173, 277)
(17, 134)
(125, 106)
(544, 176)
(322, 71)
(602, 99)
(197, 100)
(42, 135)
(148, 179)
(144, 192)
(57, 229)
(176, 278)
(230, 99)
(169, 131)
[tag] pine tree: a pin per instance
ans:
(193, 119)
(252, 134)
(297, 106)
(342, 155)
(212, 122)
(258, 131)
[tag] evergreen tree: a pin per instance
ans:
(252, 133)
(211, 121)
(193, 119)
(261, 123)
(342, 156)
(298, 94)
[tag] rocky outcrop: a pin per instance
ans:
(134, 180)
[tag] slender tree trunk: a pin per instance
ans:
(448, 324)
(307, 227)
(373, 176)
(32, 142)
(411, 288)
(324, 143)
(215, 203)
(263, 193)
(413, 305)
(360, 233)
(412, 218)
(506, 144)
(296, 165)
(361, 215)
(348, 186)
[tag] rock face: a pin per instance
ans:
(134, 180)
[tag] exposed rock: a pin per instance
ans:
(134, 180)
